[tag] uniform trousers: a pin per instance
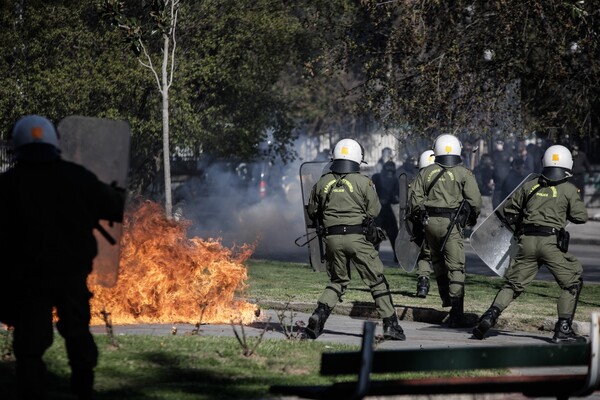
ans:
(342, 251)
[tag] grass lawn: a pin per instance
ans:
(198, 367)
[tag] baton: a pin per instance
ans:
(319, 230)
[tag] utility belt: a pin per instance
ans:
(562, 236)
(537, 230)
(441, 212)
(344, 229)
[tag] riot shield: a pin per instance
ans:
(407, 250)
(493, 240)
(102, 146)
(310, 172)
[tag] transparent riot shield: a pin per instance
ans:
(310, 172)
(102, 146)
(407, 250)
(493, 240)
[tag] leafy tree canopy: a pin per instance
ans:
(509, 66)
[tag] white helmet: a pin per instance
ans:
(447, 145)
(34, 129)
(426, 158)
(557, 163)
(557, 156)
(347, 156)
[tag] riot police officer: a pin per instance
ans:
(539, 211)
(446, 198)
(343, 199)
(49, 208)
(424, 261)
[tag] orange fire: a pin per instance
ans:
(165, 277)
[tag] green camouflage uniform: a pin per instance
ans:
(331, 195)
(549, 207)
(456, 183)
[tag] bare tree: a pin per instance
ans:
(162, 19)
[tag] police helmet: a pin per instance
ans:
(348, 154)
(557, 163)
(447, 149)
(426, 158)
(34, 138)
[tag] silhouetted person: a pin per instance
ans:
(388, 190)
(484, 174)
(48, 210)
(522, 153)
(410, 167)
(515, 176)
(581, 166)
(502, 159)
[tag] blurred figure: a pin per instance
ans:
(49, 209)
(581, 166)
(515, 176)
(388, 191)
(501, 159)
(467, 155)
(522, 154)
(409, 167)
(323, 155)
(484, 174)
(536, 151)
(386, 155)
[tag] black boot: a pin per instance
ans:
(444, 290)
(487, 320)
(392, 329)
(422, 287)
(563, 333)
(457, 314)
(316, 322)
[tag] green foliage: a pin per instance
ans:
(485, 66)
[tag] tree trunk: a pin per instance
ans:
(165, 125)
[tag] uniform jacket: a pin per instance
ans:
(48, 212)
(457, 183)
(550, 206)
(342, 208)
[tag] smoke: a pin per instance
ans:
(256, 203)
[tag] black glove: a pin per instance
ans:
(472, 220)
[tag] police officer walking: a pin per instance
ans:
(343, 199)
(424, 268)
(446, 198)
(48, 210)
(539, 210)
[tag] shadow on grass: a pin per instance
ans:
(166, 380)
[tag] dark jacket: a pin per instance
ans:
(48, 212)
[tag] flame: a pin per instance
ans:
(166, 277)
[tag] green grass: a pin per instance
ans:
(185, 367)
(197, 367)
(282, 282)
